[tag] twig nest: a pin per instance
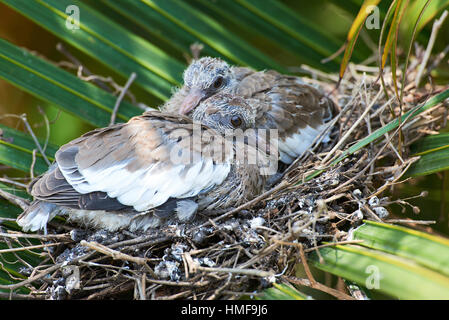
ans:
(263, 237)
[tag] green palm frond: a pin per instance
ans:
(152, 38)
(392, 260)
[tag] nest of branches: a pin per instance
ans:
(321, 196)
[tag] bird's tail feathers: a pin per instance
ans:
(37, 216)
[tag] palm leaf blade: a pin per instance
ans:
(387, 273)
(45, 81)
(429, 250)
(98, 36)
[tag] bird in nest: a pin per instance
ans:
(158, 167)
(297, 110)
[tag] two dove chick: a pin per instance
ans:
(203, 151)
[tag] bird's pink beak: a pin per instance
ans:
(191, 101)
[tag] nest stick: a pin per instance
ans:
(263, 196)
(22, 203)
(117, 255)
(248, 272)
(121, 96)
(38, 246)
(348, 133)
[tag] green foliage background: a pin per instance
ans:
(153, 37)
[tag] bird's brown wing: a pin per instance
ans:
(139, 164)
(240, 73)
(297, 110)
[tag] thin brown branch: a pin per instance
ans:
(22, 203)
(117, 255)
(228, 214)
(318, 286)
(121, 96)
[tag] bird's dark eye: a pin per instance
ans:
(218, 83)
(236, 121)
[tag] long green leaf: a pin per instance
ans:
(213, 34)
(20, 158)
(16, 151)
(426, 249)
(157, 25)
(24, 140)
(294, 25)
(5, 279)
(434, 152)
(98, 36)
(430, 144)
(9, 263)
(413, 35)
(282, 292)
(429, 163)
(386, 50)
(14, 267)
(50, 83)
(7, 210)
(262, 33)
(353, 33)
(435, 7)
(394, 34)
(377, 270)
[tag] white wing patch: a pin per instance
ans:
(152, 186)
(298, 143)
(141, 178)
